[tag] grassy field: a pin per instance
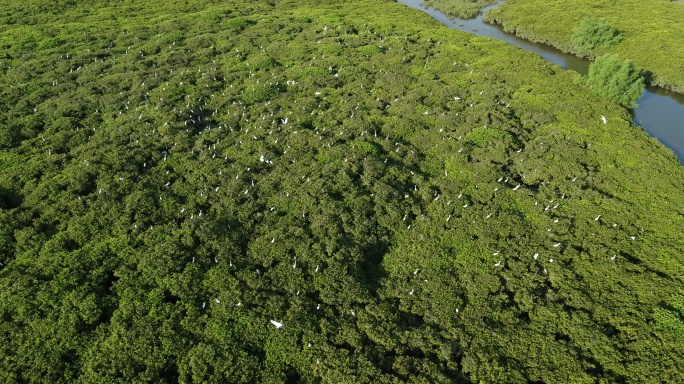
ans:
(321, 191)
(652, 29)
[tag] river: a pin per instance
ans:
(660, 112)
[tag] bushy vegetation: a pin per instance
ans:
(615, 79)
(652, 30)
(464, 9)
(594, 35)
(410, 203)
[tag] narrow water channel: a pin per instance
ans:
(660, 112)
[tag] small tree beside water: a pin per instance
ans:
(616, 79)
(593, 35)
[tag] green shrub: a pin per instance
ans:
(593, 35)
(236, 24)
(616, 79)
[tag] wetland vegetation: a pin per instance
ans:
(652, 39)
(321, 191)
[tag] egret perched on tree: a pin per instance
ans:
(277, 324)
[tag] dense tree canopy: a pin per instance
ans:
(410, 203)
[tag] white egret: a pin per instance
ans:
(277, 324)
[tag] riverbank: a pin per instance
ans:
(652, 30)
(463, 9)
(660, 111)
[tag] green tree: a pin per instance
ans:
(593, 35)
(615, 79)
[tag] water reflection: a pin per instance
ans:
(660, 112)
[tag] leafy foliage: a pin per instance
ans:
(411, 203)
(615, 79)
(593, 35)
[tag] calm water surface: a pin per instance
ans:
(660, 112)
